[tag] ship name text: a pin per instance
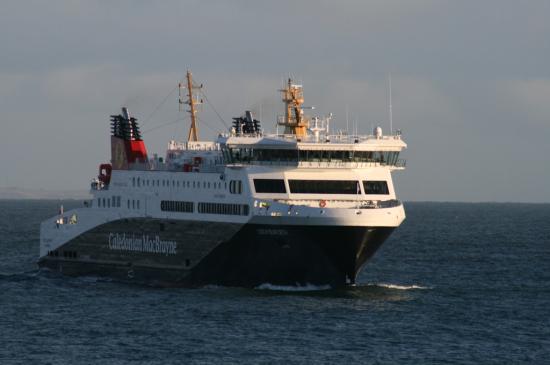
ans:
(142, 243)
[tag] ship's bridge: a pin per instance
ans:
(309, 151)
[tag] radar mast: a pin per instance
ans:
(295, 122)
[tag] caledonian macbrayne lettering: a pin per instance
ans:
(143, 243)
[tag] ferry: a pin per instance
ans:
(302, 206)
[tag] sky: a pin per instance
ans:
(470, 83)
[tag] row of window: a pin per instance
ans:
(177, 206)
(223, 208)
(247, 155)
(277, 186)
(113, 201)
(205, 208)
(66, 254)
(139, 182)
(235, 186)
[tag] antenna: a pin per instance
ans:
(390, 109)
(347, 119)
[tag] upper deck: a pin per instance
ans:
(340, 150)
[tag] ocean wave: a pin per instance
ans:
(399, 287)
(293, 288)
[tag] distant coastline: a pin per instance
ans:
(16, 193)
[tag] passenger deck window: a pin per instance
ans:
(376, 187)
(269, 186)
(236, 187)
(324, 187)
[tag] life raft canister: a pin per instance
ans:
(322, 203)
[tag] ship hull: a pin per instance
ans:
(191, 253)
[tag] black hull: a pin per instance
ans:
(250, 255)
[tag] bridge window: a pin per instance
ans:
(286, 156)
(376, 187)
(324, 187)
(269, 186)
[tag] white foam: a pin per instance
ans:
(400, 287)
(307, 287)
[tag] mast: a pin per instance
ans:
(295, 121)
(390, 109)
(193, 135)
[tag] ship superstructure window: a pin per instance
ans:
(324, 187)
(376, 187)
(222, 208)
(275, 156)
(269, 186)
(236, 187)
(176, 206)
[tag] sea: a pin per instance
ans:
(457, 283)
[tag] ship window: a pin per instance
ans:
(236, 187)
(376, 187)
(113, 198)
(223, 208)
(133, 181)
(324, 187)
(188, 184)
(118, 199)
(269, 186)
(133, 204)
(208, 185)
(176, 206)
(138, 182)
(98, 202)
(138, 204)
(108, 203)
(128, 203)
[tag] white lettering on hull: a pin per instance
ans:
(124, 242)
